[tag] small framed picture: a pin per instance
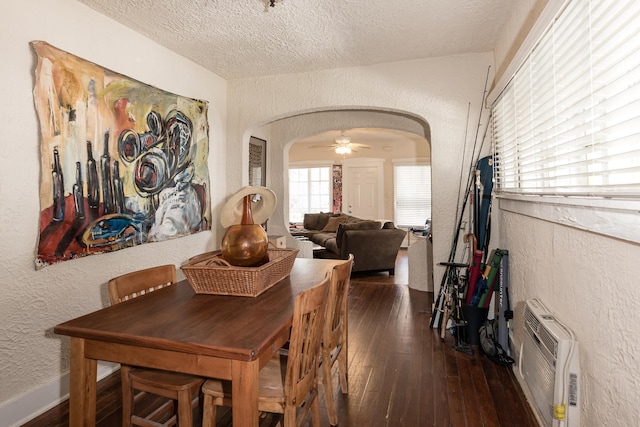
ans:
(257, 162)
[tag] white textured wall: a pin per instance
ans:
(435, 92)
(588, 280)
(33, 302)
(515, 30)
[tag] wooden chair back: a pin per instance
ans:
(179, 387)
(299, 388)
(301, 380)
(335, 334)
(335, 328)
(141, 282)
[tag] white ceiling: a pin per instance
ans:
(381, 142)
(367, 136)
(247, 38)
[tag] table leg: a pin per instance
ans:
(82, 393)
(244, 389)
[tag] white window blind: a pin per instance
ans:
(568, 122)
(412, 193)
(309, 191)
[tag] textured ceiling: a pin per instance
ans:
(247, 38)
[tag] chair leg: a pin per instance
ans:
(315, 412)
(290, 416)
(342, 370)
(328, 389)
(127, 396)
(185, 410)
(208, 412)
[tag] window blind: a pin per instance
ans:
(412, 190)
(568, 122)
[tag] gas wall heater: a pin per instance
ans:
(549, 364)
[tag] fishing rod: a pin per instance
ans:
(443, 296)
(466, 130)
(436, 315)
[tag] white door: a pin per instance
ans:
(362, 192)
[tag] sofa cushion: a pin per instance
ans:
(321, 238)
(358, 225)
(333, 223)
(330, 245)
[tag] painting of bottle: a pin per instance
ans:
(118, 189)
(78, 193)
(58, 187)
(107, 185)
(93, 187)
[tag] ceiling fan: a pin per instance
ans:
(343, 145)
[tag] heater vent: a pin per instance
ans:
(550, 365)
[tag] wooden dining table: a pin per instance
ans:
(175, 329)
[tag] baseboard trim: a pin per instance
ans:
(19, 410)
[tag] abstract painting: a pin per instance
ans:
(337, 188)
(122, 163)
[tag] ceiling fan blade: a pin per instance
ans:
(322, 146)
(358, 145)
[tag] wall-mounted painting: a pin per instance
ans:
(122, 162)
(257, 162)
(337, 188)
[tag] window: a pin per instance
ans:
(412, 193)
(568, 122)
(309, 191)
(566, 127)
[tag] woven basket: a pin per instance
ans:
(210, 274)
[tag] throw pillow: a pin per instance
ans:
(323, 219)
(362, 225)
(310, 221)
(388, 224)
(333, 223)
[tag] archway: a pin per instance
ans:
(284, 132)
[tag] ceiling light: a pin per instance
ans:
(343, 149)
(342, 144)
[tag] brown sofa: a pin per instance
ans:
(374, 245)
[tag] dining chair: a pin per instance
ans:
(286, 383)
(183, 388)
(334, 335)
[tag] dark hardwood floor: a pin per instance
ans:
(400, 373)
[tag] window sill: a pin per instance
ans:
(614, 218)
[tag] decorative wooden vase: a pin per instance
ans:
(245, 244)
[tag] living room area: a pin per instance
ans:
(361, 190)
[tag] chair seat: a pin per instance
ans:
(183, 388)
(167, 380)
(271, 388)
